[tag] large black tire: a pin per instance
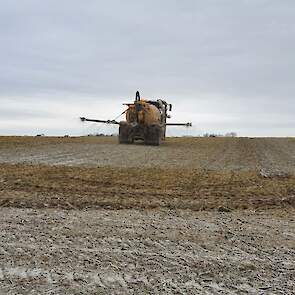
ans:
(153, 135)
(125, 133)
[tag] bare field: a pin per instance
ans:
(193, 216)
(232, 154)
(146, 252)
(42, 186)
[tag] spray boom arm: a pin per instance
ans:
(83, 119)
(179, 124)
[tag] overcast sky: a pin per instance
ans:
(225, 65)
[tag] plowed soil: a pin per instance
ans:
(230, 154)
(193, 216)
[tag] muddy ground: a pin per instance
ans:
(193, 216)
(146, 252)
(231, 154)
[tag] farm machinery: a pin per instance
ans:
(145, 120)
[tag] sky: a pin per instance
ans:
(225, 65)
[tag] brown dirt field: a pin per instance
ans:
(41, 186)
(146, 252)
(193, 216)
(230, 154)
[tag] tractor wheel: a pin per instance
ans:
(125, 133)
(153, 135)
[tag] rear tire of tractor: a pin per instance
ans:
(125, 134)
(153, 135)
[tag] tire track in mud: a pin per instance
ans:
(273, 156)
(234, 154)
(218, 158)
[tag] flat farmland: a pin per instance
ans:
(86, 215)
(231, 154)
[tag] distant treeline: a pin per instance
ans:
(229, 134)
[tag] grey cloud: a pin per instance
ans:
(9, 113)
(228, 59)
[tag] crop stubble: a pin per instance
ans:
(188, 173)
